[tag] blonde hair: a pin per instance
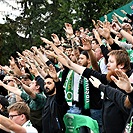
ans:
(20, 108)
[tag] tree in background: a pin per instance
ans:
(44, 17)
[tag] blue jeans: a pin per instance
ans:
(74, 110)
(97, 115)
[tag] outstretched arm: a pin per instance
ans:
(27, 89)
(125, 34)
(15, 90)
(57, 51)
(118, 97)
(12, 126)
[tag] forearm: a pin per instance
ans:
(42, 73)
(128, 36)
(16, 71)
(110, 40)
(39, 60)
(130, 96)
(93, 60)
(12, 89)
(10, 125)
(4, 128)
(60, 96)
(77, 68)
(27, 89)
(43, 58)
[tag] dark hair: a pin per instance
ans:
(40, 82)
(95, 40)
(26, 76)
(48, 76)
(85, 53)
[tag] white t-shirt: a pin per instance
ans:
(29, 128)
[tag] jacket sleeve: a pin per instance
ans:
(115, 95)
(130, 96)
(89, 72)
(60, 95)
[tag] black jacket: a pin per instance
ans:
(116, 106)
(113, 119)
(54, 111)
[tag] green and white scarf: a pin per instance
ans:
(68, 85)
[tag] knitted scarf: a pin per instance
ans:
(68, 85)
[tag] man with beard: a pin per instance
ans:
(81, 96)
(56, 105)
(113, 118)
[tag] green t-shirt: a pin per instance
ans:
(34, 104)
(73, 122)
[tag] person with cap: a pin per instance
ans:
(18, 121)
(3, 109)
(33, 96)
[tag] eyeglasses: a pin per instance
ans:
(11, 116)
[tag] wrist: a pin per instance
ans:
(57, 43)
(36, 74)
(129, 90)
(56, 79)
(72, 36)
(119, 30)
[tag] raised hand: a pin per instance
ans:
(122, 82)
(55, 38)
(97, 36)
(96, 82)
(115, 26)
(68, 29)
(86, 44)
(105, 31)
(12, 62)
(52, 72)
(51, 53)
(46, 40)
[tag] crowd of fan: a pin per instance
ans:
(88, 73)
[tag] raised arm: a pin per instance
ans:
(87, 47)
(57, 51)
(125, 34)
(77, 68)
(123, 81)
(15, 90)
(12, 126)
(119, 98)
